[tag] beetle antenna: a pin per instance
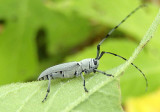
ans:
(126, 60)
(98, 46)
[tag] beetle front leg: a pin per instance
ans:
(84, 83)
(95, 70)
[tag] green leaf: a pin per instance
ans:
(68, 95)
(65, 95)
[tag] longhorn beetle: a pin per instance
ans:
(75, 69)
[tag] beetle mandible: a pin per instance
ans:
(75, 69)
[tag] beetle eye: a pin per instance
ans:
(95, 62)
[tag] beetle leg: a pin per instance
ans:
(103, 73)
(84, 83)
(48, 90)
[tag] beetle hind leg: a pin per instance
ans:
(48, 90)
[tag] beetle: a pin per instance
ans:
(75, 69)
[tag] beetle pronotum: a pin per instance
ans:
(75, 69)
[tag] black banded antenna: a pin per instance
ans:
(103, 52)
(111, 31)
(99, 55)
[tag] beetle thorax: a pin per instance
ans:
(88, 65)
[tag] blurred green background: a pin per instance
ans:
(37, 34)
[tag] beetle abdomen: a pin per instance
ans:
(65, 70)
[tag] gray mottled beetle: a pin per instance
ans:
(74, 69)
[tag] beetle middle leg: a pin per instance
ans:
(48, 90)
(103, 73)
(84, 83)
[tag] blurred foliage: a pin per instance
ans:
(37, 34)
(32, 33)
(147, 103)
(155, 2)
